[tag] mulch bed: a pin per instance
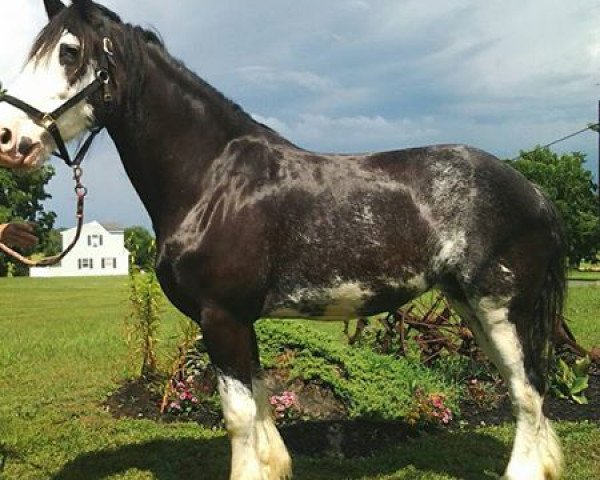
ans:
(334, 436)
(555, 409)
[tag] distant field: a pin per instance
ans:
(62, 352)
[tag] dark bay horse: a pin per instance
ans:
(249, 225)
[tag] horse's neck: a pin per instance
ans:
(170, 140)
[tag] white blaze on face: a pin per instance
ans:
(43, 84)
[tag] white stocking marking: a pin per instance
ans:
(536, 453)
(257, 450)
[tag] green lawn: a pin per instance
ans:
(62, 352)
(583, 312)
(584, 276)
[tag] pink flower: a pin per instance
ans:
(437, 401)
(447, 417)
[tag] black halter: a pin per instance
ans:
(48, 120)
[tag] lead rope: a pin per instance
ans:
(80, 192)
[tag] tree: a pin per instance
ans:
(570, 186)
(142, 246)
(21, 199)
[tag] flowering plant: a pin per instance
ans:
(284, 405)
(439, 410)
(184, 401)
(429, 409)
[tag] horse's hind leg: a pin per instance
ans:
(257, 450)
(496, 322)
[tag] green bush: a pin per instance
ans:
(371, 385)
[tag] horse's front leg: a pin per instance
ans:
(257, 450)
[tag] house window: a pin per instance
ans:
(109, 263)
(95, 240)
(85, 263)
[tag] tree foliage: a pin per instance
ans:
(142, 246)
(570, 185)
(21, 200)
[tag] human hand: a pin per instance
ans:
(18, 235)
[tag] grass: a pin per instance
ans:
(62, 352)
(582, 311)
(584, 276)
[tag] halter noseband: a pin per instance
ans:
(48, 121)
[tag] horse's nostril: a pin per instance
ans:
(25, 146)
(5, 136)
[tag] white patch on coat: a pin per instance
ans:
(452, 250)
(257, 450)
(453, 195)
(344, 300)
(366, 214)
(536, 453)
(417, 283)
(504, 268)
(43, 84)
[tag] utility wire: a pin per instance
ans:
(592, 126)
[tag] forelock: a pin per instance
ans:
(84, 25)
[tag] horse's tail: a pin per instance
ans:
(551, 298)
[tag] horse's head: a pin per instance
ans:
(66, 57)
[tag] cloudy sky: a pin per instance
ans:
(362, 75)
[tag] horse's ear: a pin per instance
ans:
(53, 7)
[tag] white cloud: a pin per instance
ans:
(349, 134)
(269, 77)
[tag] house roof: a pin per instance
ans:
(109, 227)
(113, 227)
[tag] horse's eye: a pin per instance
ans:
(69, 54)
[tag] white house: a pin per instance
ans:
(100, 251)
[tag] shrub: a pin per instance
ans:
(371, 385)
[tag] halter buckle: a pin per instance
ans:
(47, 121)
(108, 46)
(103, 76)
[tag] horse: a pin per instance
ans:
(249, 225)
